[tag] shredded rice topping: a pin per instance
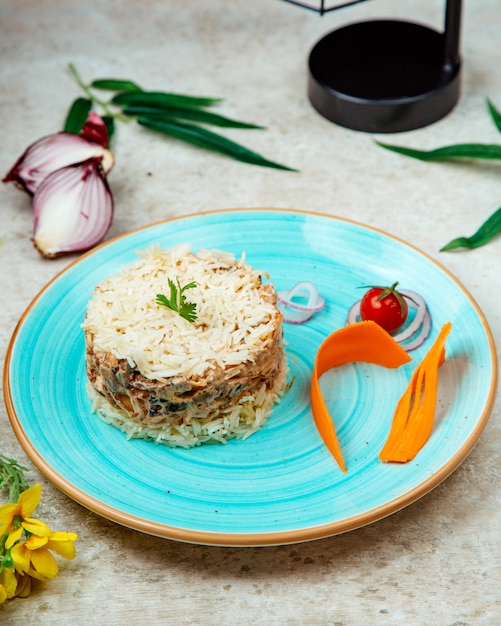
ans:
(233, 318)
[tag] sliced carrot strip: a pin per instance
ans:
(415, 411)
(362, 341)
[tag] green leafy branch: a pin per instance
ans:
(175, 115)
(177, 301)
(12, 476)
(492, 226)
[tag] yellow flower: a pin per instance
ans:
(15, 517)
(32, 556)
(13, 584)
(29, 542)
(23, 588)
(8, 584)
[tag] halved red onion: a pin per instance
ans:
(418, 330)
(51, 153)
(72, 209)
(300, 312)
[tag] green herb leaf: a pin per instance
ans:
(485, 233)
(177, 301)
(114, 84)
(77, 115)
(109, 122)
(492, 226)
(461, 151)
(204, 138)
(160, 99)
(166, 113)
(12, 476)
(187, 113)
(495, 114)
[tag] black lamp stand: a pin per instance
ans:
(387, 76)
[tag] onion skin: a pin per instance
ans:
(72, 209)
(50, 153)
(95, 130)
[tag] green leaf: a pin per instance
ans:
(109, 122)
(459, 151)
(164, 301)
(160, 99)
(12, 476)
(177, 301)
(204, 138)
(485, 233)
(495, 114)
(195, 115)
(115, 84)
(77, 115)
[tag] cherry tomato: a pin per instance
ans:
(385, 306)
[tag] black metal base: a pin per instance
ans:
(382, 76)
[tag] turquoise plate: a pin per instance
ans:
(281, 485)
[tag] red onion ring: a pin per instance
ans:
(295, 317)
(417, 322)
(418, 330)
(354, 313)
(422, 334)
(300, 313)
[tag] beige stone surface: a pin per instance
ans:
(438, 561)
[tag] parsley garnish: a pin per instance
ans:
(177, 301)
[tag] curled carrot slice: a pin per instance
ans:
(362, 341)
(415, 412)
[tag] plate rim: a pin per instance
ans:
(246, 539)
